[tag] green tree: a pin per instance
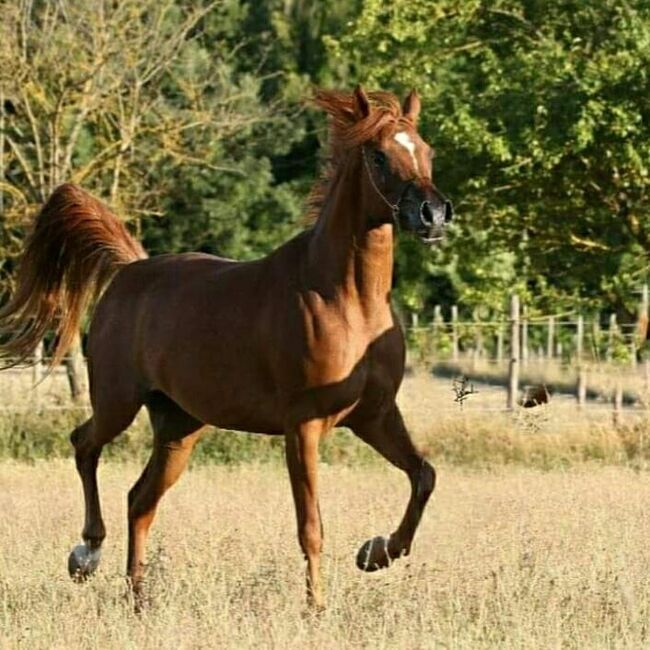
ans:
(540, 113)
(254, 202)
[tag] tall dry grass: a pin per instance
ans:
(536, 536)
(480, 434)
(512, 559)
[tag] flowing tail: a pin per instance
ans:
(75, 247)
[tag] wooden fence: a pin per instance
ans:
(571, 341)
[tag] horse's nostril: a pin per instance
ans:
(426, 213)
(449, 211)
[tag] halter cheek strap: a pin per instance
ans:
(394, 207)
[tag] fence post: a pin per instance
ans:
(478, 338)
(618, 401)
(581, 391)
(37, 373)
(513, 375)
(642, 321)
(580, 337)
(437, 318)
(595, 338)
(74, 366)
(611, 332)
(550, 337)
(37, 367)
(640, 334)
(454, 332)
(524, 337)
(437, 328)
(500, 345)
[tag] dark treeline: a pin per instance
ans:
(188, 117)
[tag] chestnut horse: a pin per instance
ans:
(295, 343)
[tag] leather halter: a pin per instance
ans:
(394, 207)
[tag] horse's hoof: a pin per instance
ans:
(373, 555)
(83, 562)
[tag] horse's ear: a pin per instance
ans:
(411, 106)
(362, 104)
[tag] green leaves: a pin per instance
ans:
(540, 114)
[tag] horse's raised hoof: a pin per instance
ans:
(83, 562)
(374, 555)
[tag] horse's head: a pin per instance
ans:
(396, 163)
(399, 165)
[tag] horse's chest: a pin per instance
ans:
(334, 360)
(337, 339)
(338, 353)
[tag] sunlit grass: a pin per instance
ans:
(515, 558)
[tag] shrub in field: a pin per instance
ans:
(29, 436)
(538, 438)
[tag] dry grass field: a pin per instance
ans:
(510, 559)
(480, 434)
(537, 536)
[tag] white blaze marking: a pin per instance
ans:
(404, 139)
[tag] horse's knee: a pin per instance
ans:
(77, 437)
(85, 451)
(74, 437)
(424, 480)
(311, 539)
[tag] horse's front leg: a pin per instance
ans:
(388, 435)
(302, 460)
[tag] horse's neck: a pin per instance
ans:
(347, 260)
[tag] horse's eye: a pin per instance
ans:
(379, 158)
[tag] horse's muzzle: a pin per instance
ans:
(436, 213)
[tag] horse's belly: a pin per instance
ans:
(250, 399)
(230, 401)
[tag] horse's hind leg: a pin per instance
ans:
(108, 421)
(388, 435)
(175, 434)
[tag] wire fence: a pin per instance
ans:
(595, 359)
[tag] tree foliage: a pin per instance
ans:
(540, 111)
(189, 118)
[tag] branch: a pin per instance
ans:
(86, 107)
(37, 142)
(102, 157)
(176, 42)
(588, 244)
(520, 19)
(13, 191)
(24, 164)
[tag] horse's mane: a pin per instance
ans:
(349, 129)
